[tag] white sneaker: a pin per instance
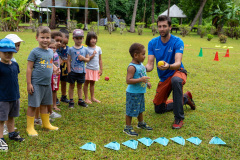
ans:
(38, 121)
(3, 146)
(55, 115)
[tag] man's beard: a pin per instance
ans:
(165, 35)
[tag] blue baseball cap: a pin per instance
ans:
(7, 45)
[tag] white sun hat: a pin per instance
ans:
(14, 38)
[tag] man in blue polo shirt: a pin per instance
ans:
(169, 49)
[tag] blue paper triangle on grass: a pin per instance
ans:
(194, 140)
(162, 140)
(179, 140)
(113, 145)
(89, 146)
(146, 141)
(216, 140)
(131, 144)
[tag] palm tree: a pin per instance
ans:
(132, 27)
(86, 15)
(107, 11)
(152, 13)
(53, 23)
(199, 13)
(169, 2)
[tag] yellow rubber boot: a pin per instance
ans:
(45, 122)
(30, 126)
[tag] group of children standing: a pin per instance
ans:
(49, 64)
(43, 80)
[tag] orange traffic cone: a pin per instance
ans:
(216, 57)
(227, 53)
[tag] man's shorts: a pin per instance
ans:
(9, 109)
(42, 95)
(55, 82)
(64, 72)
(73, 77)
(135, 104)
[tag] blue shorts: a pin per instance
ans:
(9, 109)
(135, 104)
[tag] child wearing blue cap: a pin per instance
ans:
(9, 91)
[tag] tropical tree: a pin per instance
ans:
(86, 15)
(199, 13)
(11, 13)
(107, 11)
(53, 16)
(152, 11)
(132, 26)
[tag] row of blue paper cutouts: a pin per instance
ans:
(147, 141)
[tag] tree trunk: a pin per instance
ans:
(107, 11)
(132, 27)
(169, 2)
(53, 23)
(198, 14)
(86, 16)
(152, 13)
(68, 13)
(144, 12)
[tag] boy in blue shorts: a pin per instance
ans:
(9, 91)
(137, 81)
(77, 56)
(40, 68)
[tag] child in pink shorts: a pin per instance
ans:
(93, 67)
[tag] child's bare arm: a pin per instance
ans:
(100, 64)
(56, 70)
(85, 59)
(69, 64)
(29, 77)
(130, 73)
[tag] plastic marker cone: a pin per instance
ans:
(113, 145)
(89, 146)
(146, 141)
(227, 53)
(216, 140)
(162, 140)
(200, 53)
(179, 140)
(216, 57)
(194, 140)
(131, 144)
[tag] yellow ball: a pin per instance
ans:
(161, 63)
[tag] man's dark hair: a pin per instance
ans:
(55, 34)
(90, 35)
(164, 18)
(136, 48)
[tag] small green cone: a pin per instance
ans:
(200, 53)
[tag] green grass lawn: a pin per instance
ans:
(215, 89)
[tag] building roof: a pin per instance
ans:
(175, 11)
(46, 3)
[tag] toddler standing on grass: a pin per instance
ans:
(77, 56)
(137, 81)
(93, 67)
(40, 68)
(9, 92)
(17, 41)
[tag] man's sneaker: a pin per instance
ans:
(130, 131)
(71, 105)
(64, 99)
(16, 137)
(144, 126)
(57, 102)
(190, 102)
(3, 146)
(177, 124)
(55, 115)
(82, 103)
(38, 121)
